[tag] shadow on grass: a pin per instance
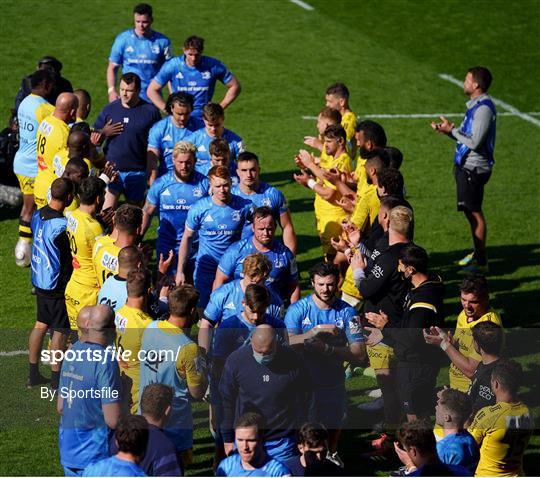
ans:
(279, 178)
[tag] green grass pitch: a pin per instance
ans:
(390, 54)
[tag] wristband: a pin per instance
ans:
(444, 345)
(311, 184)
(105, 178)
(110, 90)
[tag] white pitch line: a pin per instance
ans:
(304, 5)
(423, 115)
(13, 353)
(502, 104)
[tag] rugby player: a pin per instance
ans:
(250, 458)
(328, 212)
(179, 363)
(131, 319)
(213, 117)
(83, 228)
(260, 194)
(172, 196)
(196, 74)
(52, 137)
(166, 133)
(218, 220)
(220, 155)
(474, 295)
(503, 430)
(127, 148)
(283, 278)
(337, 97)
(139, 50)
(32, 111)
(51, 268)
(127, 220)
(328, 331)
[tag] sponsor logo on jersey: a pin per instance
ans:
(181, 201)
(129, 49)
(192, 83)
(306, 322)
(72, 223)
(236, 216)
(377, 271)
(126, 120)
(208, 218)
(179, 76)
(229, 305)
(339, 323)
(197, 192)
(167, 137)
(201, 148)
(155, 49)
(109, 261)
(166, 192)
(206, 75)
(120, 322)
(266, 202)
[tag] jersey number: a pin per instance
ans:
(41, 145)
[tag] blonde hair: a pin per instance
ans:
(400, 219)
(257, 265)
(184, 147)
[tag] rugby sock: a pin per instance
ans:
(25, 233)
(34, 371)
(55, 379)
(480, 257)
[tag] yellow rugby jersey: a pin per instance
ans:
(83, 230)
(51, 138)
(322, 207)
(100, 242)
(463, 335)
(366, 209)
(190, 363)
(348, 285)
(348, 121)
(61, 159)
(130, 324)
(503, 432)
(360, 173)
(105, 258)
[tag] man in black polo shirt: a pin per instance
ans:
(418, 363)
(383, 289)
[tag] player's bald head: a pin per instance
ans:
(101, 318)
(66, 102)
(263, 339)
(83, 319)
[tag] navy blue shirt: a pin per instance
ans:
(280, 391)
(128, 149)
(160, 455)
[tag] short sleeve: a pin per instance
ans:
(155, 137)
(479, 426)
(108, 378)
(213, 311)
(117, 50)
(153, 193)
(227, 263)
(222, 73)
(165, 73)
(293, 320)
(193, 220)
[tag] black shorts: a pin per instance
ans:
(52, 311)
(417, 388)
(470, 188)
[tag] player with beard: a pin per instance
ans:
(327, 330)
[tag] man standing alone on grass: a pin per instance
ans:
(474, 159)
